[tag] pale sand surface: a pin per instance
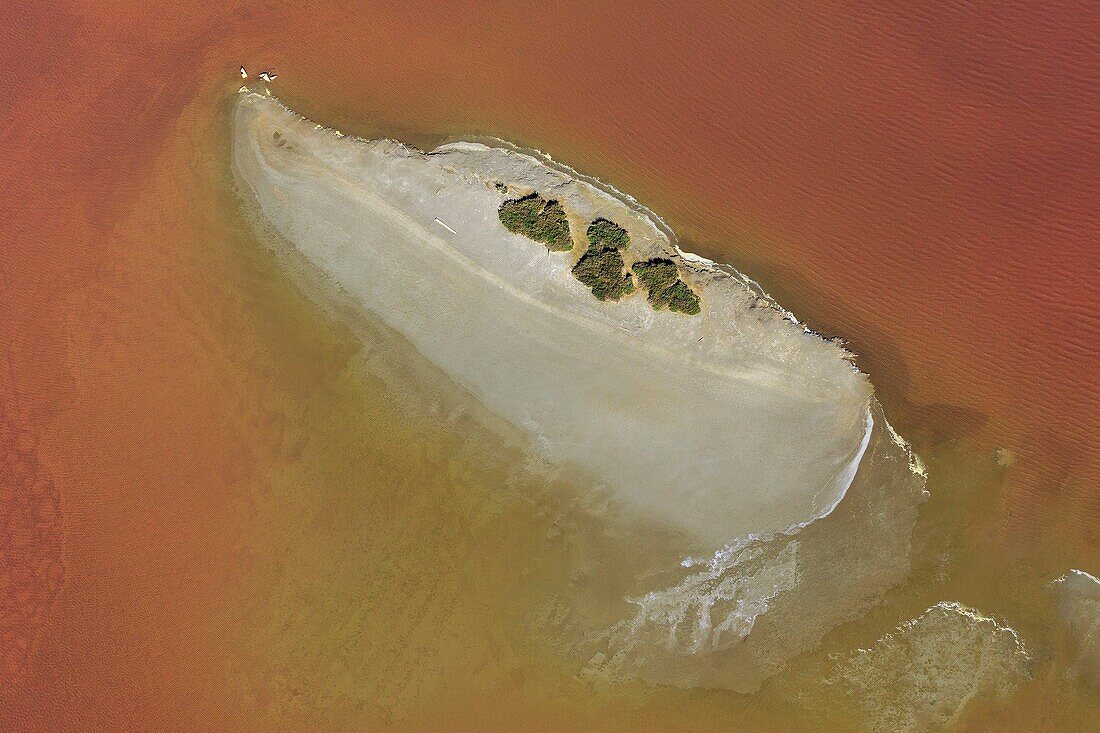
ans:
(731, 423)
(718, 446)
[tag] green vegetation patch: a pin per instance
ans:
(606, 234)
(601, 268)
(662, 282)
(536, 218)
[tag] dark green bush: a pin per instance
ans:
(607, 234)
(538, 219)
(601, 268)
(665, 289)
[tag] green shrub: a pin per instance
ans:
(538, 219)
(607, 234)
(601, 268)
(665, 289)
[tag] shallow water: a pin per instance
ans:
(413, 547)
(264, 529)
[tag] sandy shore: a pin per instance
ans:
(731, 423)
(737, 429)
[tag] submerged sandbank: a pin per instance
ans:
(735, 429)
(922, 675)
(1079, 606)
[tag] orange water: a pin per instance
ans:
(922, 183)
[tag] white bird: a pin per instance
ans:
(244, 74)
(268, 76)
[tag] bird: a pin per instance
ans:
(268, 76)
(244, 74)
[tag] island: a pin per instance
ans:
(689, 400)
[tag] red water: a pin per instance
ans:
(924, 181)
